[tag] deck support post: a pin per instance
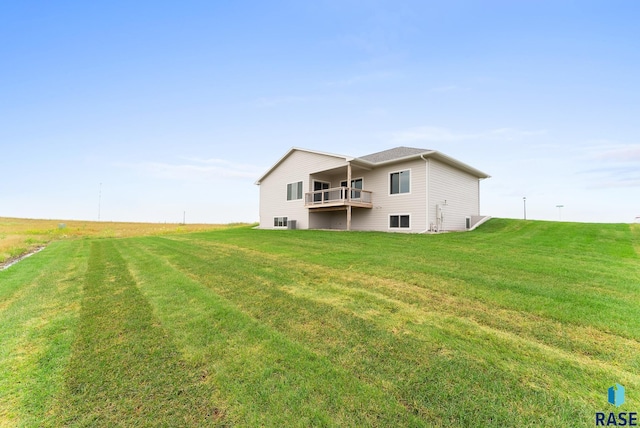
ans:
(349, 195)
(349, 180)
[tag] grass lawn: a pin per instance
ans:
(519, 323)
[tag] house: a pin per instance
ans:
(403, 189)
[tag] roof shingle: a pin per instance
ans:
(391, 154)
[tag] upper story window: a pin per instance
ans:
(294, 191)
(355, 183)
(400, 182)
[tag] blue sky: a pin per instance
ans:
(180, 106)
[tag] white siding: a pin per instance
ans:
(460, 190)
(273, 188)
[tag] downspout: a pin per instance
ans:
(428, 174)
(478, 196)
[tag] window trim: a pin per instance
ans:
(285, 222)
(399, 221)
(301, 191)
(398, 172)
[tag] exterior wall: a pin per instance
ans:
(431, 183)
(339, 219)
(384, 204)
(320, 220)
(460, 190)
(273, 188)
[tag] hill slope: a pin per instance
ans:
(517, 323)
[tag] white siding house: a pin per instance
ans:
(399, 190)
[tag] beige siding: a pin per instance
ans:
(431, 184)
(459, 189)
(273, 188)
(385, 204)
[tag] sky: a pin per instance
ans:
(160, 111)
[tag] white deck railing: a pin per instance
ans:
(338, 196)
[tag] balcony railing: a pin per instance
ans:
(338, 197)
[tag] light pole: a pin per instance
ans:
(559, 207)
(524, 202)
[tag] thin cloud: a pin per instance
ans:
(626, 153)
(222, 163)
(198, 169)
(614, 177)
(276, 101)
(363, 78)
(437, 134)
(447, 88)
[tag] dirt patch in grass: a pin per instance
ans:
(13, 260)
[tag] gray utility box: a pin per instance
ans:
(291, 224)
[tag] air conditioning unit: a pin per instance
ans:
(291, 224)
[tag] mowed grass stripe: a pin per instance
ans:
(268, 379)
(515, 324)
(574, 273)
(39, 308)
(427, 299)
(124, 369)
(425, 369)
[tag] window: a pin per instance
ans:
(294, 191)
(320, 196)
(280, 222)
(355, 184)
(399, 182)
(399, 221)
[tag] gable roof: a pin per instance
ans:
(293, 149)
(393, 154)
(401, 154)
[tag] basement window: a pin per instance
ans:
(280, 222)
(399, 221)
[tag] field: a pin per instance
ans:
(19, 236)
(518, 323)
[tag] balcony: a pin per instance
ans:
(338, 198)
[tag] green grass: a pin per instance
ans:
(515, 324)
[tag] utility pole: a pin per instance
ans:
(559, 207)
(524, 201)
